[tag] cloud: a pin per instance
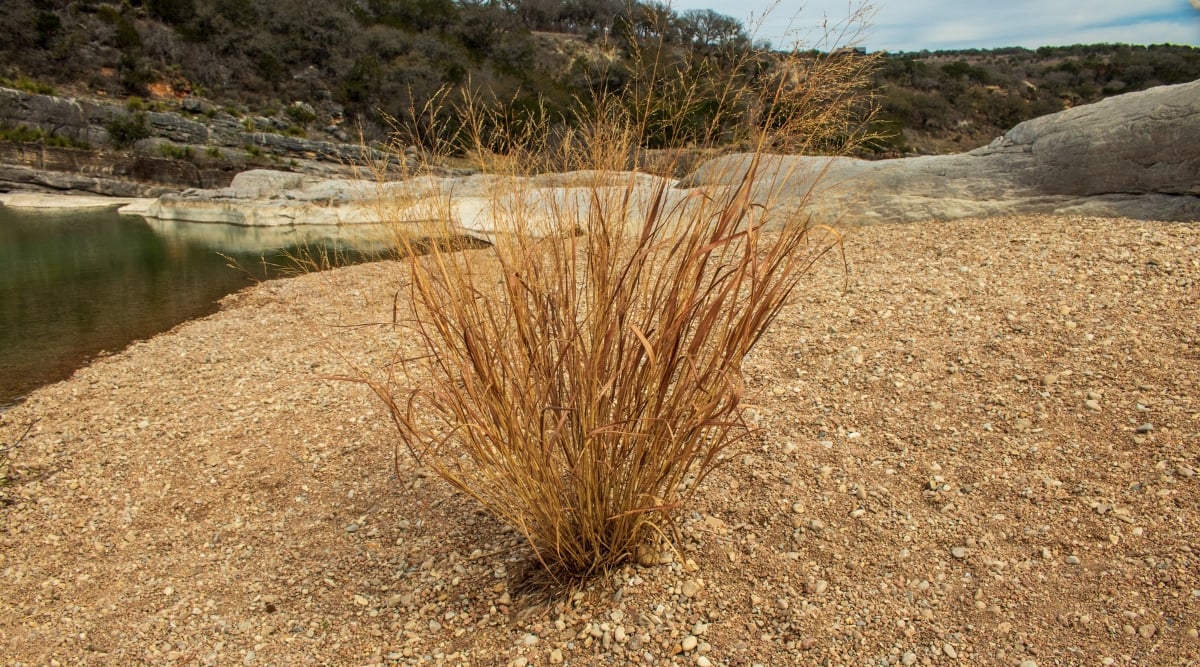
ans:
(912, 25)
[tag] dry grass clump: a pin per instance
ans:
(583, 390)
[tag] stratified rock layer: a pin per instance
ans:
(1134, 156)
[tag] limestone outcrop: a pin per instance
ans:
(1133, 156)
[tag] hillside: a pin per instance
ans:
(344, 70)
(953, 101)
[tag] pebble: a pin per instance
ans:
(530, 639)
(908, 658)
(1092, 404)
(703, 661)
(959, 552)
(950, 651)
(1072, 560)
(1145, 428)
(1028, 663)
(690, 643)
(690, 588)
(556, 656)
(1147, 631)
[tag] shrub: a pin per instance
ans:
(26, 134)
(581, 377)
(28, 85)
(124, 130)
(176, 152)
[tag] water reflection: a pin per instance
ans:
(75, 283)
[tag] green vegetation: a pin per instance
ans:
(364, 63)
(956, 100)
(177, 152)
(21, 82)
(24, 134)
(124, 130)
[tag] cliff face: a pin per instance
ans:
(195, 147)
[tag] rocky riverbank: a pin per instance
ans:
(1133, 156)
(979, 446)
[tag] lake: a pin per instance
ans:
(74, 284)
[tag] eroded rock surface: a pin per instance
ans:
(1134, 156)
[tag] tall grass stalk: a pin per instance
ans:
(582, 376)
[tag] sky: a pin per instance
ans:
(913, 25)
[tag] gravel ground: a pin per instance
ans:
(978, 446)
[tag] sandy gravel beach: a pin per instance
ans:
(979, 446)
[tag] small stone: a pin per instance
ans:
(1092, 404)
(798, 507)
(820, 587)
(1147, 631)
(352, 528)
(908, 658)
(807, 643)
(690, 588)
(530, 639)
(519, 662)
(950, 651)
(1072, 560)
(1028, 663)
(816, 524)
(1049, 379)
(646, 556)
(1022, 425)
(1145, 428)
(689, 643)
(434, 626)
(556, 656)
(361, 600)
(702, 661)
(959, 552)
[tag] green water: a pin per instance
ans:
(74, 284)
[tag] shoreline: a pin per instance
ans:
(26, 201)
(954, 463)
